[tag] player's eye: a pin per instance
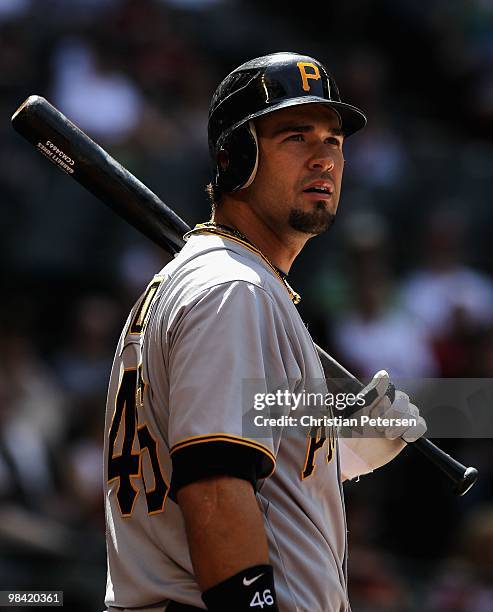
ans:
(296, 137)
(334, 141)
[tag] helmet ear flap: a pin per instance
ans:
(236, 159)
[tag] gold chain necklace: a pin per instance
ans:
(210, 227)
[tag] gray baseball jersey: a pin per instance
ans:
(215, 319)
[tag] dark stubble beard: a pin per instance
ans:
(316, 221)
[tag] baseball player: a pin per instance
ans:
(202, 513)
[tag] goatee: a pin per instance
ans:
(317, 221)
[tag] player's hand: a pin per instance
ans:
(398, 410)
(364, 451)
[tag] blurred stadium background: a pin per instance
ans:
(404, 281)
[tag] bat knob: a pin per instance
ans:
(469, 478)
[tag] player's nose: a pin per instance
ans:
(322, 159)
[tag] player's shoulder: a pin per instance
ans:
(214, 271)
(208, 261)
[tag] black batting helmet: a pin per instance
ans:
(260, 86)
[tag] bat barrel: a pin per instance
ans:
(64, 144)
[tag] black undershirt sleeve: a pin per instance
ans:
(211, 457)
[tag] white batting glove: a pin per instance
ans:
(400, 409)
(363, 452)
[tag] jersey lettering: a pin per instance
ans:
(316, 440)
(127, 465)
(331, 444)
(140, 316)
(155, 495)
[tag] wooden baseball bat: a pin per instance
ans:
(65, 145)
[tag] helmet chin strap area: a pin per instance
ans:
(253, 132)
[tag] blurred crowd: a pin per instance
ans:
(404, 281)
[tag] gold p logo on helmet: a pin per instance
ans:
(315, 74)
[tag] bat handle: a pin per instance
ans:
(462, 477)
